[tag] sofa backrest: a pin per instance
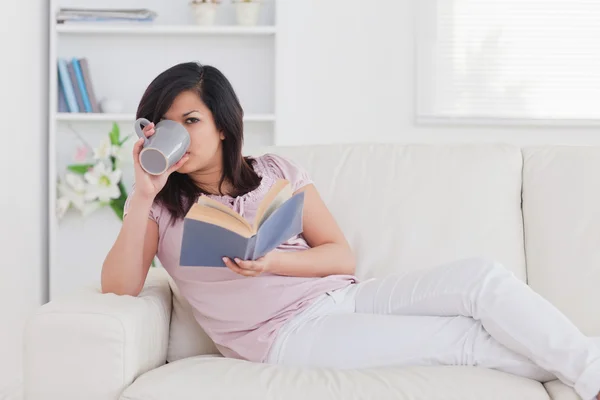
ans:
(404, 207)
(561, 208)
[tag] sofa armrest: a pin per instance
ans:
(92, 346)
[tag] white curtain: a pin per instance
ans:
(513, 59)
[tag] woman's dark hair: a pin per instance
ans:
(215, 91)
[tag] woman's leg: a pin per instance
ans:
(508, 309)
(368, 340)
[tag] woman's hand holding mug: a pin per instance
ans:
(148, 184)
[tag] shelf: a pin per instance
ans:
(149, 29)
(124, 117)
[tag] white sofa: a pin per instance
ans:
(536, 210)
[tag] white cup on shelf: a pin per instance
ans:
(204, 12)
(247, 12)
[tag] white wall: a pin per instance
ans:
(347, 75)
(23, 51)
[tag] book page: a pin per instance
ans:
(218, 217)
(208, 202)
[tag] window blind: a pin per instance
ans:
(521, 59)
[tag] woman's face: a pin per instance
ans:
(205, 147)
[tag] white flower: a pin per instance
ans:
(91, 207)
(123, 153)
(103, 183)
(73, 191)
(62, 205)
(103, 151)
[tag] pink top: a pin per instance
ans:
(243, 314)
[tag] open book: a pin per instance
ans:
(212, 230)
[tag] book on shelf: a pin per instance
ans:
(62, 101)
(104, 15)
(75, 88)
(212, 230)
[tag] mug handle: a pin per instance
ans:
(138, 128)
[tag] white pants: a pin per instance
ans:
(470, 312)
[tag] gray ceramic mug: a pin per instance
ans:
(165, 147)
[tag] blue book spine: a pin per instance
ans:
(67, 86)
(62, 101)
(81, 84)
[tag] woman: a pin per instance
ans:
(301, 303)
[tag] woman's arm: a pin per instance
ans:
(323, 260)
(126, 266)
(128, 261)
(330, 253)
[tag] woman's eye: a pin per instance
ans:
(191, 120)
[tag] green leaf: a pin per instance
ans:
(123, 190)
(114, 134)
(80, 168)
(119, 204)
(124, 140)
(117, 209)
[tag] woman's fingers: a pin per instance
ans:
(149, 129)
(178, 164)
(235, 268)
(139, 145)
(137, 148)
(245, 264)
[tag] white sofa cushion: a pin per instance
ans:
(559, 391)
(561, 199)
(186, 337)
(214, 378)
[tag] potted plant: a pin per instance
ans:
(96, 181)
(247, 11)
(204, 11)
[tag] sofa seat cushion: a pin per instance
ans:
(213, 377)
(559, 391)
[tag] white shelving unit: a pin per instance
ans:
(123, 59)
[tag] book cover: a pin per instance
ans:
(81, 85)
(210, 232)
(66, 84)
(87, 79)
(76, 88)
